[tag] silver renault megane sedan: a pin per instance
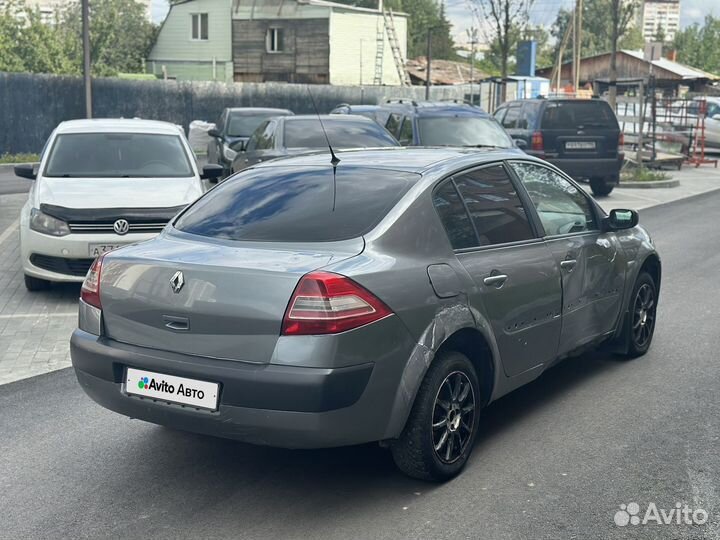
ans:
(388, 297)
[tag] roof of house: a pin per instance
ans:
(442, 71)
(683, 71)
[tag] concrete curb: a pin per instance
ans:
(659, 184)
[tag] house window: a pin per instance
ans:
(275, 40)
(199, 26)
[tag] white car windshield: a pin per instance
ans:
(117, 155)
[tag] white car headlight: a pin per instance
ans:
(45, 224)
(228, 152)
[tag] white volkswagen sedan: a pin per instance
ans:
(102, 184)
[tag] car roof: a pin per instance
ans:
(435, 108)
(256, 110)
(364, 108)
(123, 125)
(410, 159)
(330, 117)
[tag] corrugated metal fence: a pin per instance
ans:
(32, 105)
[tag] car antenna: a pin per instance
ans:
(333, 158)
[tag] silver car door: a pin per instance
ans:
(590, 261)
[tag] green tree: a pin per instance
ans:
(598, 25)
(506, 20)
(27, 44)
(423, 15)
(120, 35)
(698, 46)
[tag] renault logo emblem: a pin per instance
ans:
(177, 282)
(121, 226)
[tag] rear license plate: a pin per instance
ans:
(95, 250)
(200, 394)
(580, 145)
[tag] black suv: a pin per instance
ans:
(580, 136)
(232, 131)
(443, 123)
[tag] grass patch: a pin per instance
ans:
(638, 174)
(19, 158)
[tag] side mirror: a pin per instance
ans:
(520, 143)
(214, 132)
(212, 172)
(620, 219)
(26, 170)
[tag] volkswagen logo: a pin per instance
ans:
(177, 282)
(121, 226)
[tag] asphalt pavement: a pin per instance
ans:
(555, 459)
(9, 183)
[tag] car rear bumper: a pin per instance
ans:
(587, 168)
(268, 404)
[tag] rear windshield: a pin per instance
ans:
(280, 204)
(462, 131)
(243, 125)
(118, 155)
(342, 133)
(575, 114)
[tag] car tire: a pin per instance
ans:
(440, 432)
(641, 316)
(602, 186)
(36, 284)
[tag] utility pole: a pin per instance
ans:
(578, 43)
(86, 57)
(429, 61)
(472, 34)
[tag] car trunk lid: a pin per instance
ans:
(213, 298)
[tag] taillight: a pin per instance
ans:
(536, 142)
(326, 303)
(90, 290)
(621, 140)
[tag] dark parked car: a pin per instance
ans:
(293, 135)
(390, 298)
(233, 130)
(580, 136)
(443, 123)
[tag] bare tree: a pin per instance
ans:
(501, 22)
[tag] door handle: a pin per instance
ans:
(568, 264)
(497, 280)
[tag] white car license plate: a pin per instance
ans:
(200, 394)
(580, 145)
(95, 250)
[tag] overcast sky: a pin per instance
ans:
(542, 12)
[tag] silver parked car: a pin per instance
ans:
(387, 299)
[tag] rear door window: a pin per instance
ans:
(510, 120)
(284, 204)
(393, 124)
(406, 132)
(454, 216)
(494, 206)
(572, 114)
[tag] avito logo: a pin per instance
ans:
(145, 383)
